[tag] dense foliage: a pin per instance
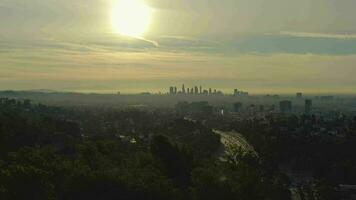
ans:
(92, 153)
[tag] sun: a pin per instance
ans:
(131, 17)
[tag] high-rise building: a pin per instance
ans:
(171, 90)
(200, 90)
(285, 106)
(175, 90)
(236, 91)
(196, 90)
(308, 106)
(183, 89)
(210, 91)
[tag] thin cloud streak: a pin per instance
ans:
(319, 35)
(150, 41)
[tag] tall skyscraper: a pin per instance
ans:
(308, 106)
(171, 90)
(175, 90)
(210, 91)
(183, 89)
(285, 106)
(196, 90)
(200, 90)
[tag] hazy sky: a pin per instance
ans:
(256, 45)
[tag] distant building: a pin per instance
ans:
(236, 91)
(308, 106)
(262, 108)
(27, 103)
(240, 93)
(222, 111)
(237, 107)
(299, 95)
(183, 89)
(196, 90)
(171, 90)
(182, 108)
(285, 106)
(202, 107)
(145, 93)
(210, 91)
(252, 109)
(175, 90)
(200, 90)
(327, 98)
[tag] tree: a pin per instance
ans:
(176, 163)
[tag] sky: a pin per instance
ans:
(274, 46)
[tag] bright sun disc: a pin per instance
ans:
(131, 17)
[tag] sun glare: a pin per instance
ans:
(131, 17)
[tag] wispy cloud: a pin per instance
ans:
(319, 35)
(155, 43)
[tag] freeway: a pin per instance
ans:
(234, 139)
